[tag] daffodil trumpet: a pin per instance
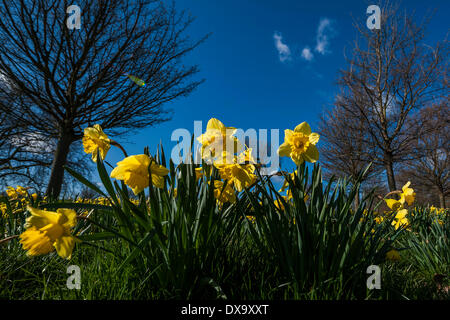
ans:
(134, 172)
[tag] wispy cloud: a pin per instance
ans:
(325, 32)
(307, 54)
(284, 53)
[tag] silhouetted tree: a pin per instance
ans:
(66, 79)
(343, 150)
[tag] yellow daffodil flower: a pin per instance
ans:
(395, 204)
(218, 139)
(47, 231)
(225, 195)
(238, 175)
(400, 219)
(408, 193)
(4, 209)
(246, 157)
(94, 138)
(133, 170)
(300, 144)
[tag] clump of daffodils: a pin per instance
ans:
(407, 196)
(19, 198)
(438, 214)
(234, 162)
(48, 231)
(238, 167)
(19, 193)
(133, 170)
(218, 139)
(437, 211)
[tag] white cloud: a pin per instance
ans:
(307, 54)
(325, 31)
(284, 53)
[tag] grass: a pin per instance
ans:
(189, 246)
(250, 278)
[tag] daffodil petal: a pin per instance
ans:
(47, 216)
(159, 170)
(70, 217)
(314, 138)
(406, 186)
(214, 123)
(158, 181)
(303, 128)
(311, 154)
(64, 246)
(284, 150)
(288, 135)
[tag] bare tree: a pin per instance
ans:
(66, 79)
(391, 74)
(432, 170)
(342, 149)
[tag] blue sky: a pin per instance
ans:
(248, 83)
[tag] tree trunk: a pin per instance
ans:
(356, 201)
(59, 160)
(389, 165)
(441, 199)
